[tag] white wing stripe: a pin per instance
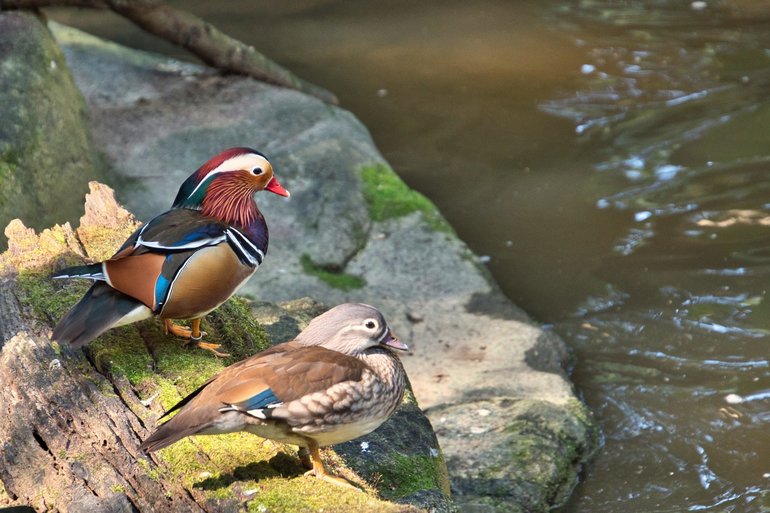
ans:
(190, 245)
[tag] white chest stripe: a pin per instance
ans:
(252, 253)
(245, 239)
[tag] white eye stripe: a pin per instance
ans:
(384, 334)
(246, 161)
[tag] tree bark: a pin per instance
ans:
(66, 444)
(202, 39)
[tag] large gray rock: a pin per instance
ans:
(45, 155)
(352, 231)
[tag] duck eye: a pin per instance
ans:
(257, 171)
(370, 325)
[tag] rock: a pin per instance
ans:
(45, 155)
(72, 424)
(511, 454)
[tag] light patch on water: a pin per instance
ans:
(737, 271)
(642, 216)
(750, 364)
(635, 238)
(667, 172)
(739, 399)
(705, 474)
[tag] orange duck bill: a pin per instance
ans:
(275, 187)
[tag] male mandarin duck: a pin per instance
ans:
(336, 381)
(185, 262)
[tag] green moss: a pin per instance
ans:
(121, 352)
(337, 280)
(150, 471)
(389, 197)
(547, 442)
(308, 494)
(403, 475)
(8, 165)
(48, 299)
(236, 456)
(237, 329)
(240, 462)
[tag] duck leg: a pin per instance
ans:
(175, 329)
(304, 457)
(194, 334)
(320, 471)
(197, 335)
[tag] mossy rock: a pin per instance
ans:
(46, 157)
(151, 372)
(519, 454)
(389, 197)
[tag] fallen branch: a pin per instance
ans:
(202, 39)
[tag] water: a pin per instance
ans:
(613, 161)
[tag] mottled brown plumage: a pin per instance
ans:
(337, 381)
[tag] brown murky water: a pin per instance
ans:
(612, 159)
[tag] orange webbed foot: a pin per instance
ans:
(209, 347)
(194, 336)
(319, 471)
(174, 329)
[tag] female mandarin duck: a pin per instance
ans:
(187, 261)
(336, 381)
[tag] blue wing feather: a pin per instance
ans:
(162, 286)
(262, 400)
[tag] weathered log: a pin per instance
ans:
(68, 440)
(71, 421)
(202, 39)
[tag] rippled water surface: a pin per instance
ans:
(613, 161)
